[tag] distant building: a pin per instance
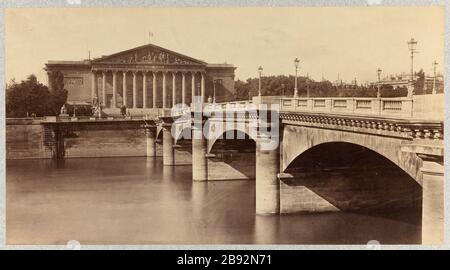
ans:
(148, 76)
(402, 80)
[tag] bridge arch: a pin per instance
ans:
(341, 176)
(238, 133)
(232, 159)
(159, 133)
(184, 133)
(297, 140)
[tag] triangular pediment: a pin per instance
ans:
(149, 54)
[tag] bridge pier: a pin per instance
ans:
(168, 151)
(267, 182)
(199, 150)
(432, 202)
(58, 143)
(150, 134)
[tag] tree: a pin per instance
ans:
(279, 85)
(32, 97)
(26, 98)
(242, 90)
(419, 84)
(57, 91)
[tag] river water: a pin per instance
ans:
(139, 201)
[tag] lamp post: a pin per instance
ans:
(379, 83)
(214, 91)
(434, 77)
(307, 85)
(296, 64)
(260, 69)
(412, 44)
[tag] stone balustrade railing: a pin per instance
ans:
(232, 105)
(422, 107)
(425, 107)
(389, 107)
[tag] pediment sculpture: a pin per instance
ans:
(149, 56)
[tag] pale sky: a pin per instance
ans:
(353, 42)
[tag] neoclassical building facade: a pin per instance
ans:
(145, 77)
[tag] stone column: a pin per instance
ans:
(150, 134)
(94, 85)
(104, 88)
(432, 201)
(267, 182)
(199, 149)
(168, 153)
(124, 89)
(134, 90)
(183, 88)
(144, 89)
(174, 89)
(203, 87)
(154, 89)
(114, 98)
(164, 89)
(193, 87)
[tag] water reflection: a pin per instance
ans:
(138, 201)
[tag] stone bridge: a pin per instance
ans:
(300, 152)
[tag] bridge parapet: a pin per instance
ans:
(397, 107)
(428, 107)
(233, 105)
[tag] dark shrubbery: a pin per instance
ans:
(30, 97)
(80, 110)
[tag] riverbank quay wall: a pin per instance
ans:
(28, 138)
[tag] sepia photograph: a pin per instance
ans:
(224, 125)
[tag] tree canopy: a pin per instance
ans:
(30, 97)
(284, 85)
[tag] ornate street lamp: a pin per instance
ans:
(214, 92)
(412, 44)
(260, 69)
(308, 80)
(296, 64)
(379, 83)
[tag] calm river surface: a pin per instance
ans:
(138, 201)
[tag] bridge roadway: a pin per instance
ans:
(407, 132)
